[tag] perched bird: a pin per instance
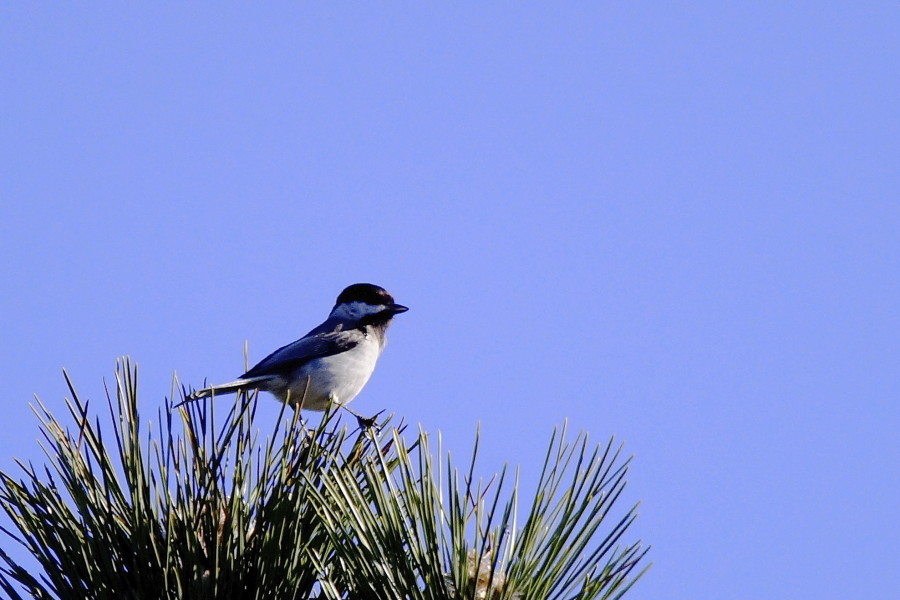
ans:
(330, 364)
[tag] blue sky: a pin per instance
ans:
(676, 224)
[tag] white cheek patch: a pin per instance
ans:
(356, 310)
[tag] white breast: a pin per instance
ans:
(335, 379)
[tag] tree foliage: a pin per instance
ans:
(205, 508)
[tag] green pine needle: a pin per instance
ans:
(204, 508)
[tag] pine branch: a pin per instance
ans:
(204, 508)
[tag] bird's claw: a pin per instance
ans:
(365, 423)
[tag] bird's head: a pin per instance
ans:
(366, 304)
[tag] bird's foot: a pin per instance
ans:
(365, 423)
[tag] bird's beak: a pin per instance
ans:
(397, 309)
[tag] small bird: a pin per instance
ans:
(330, 364)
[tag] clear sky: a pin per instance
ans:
(672, 222)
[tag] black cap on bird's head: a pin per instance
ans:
(369, 294)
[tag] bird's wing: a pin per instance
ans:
(305, 349)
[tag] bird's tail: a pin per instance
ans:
(225, 388)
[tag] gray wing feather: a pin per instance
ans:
(296, 354)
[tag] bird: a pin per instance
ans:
(332, 363)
